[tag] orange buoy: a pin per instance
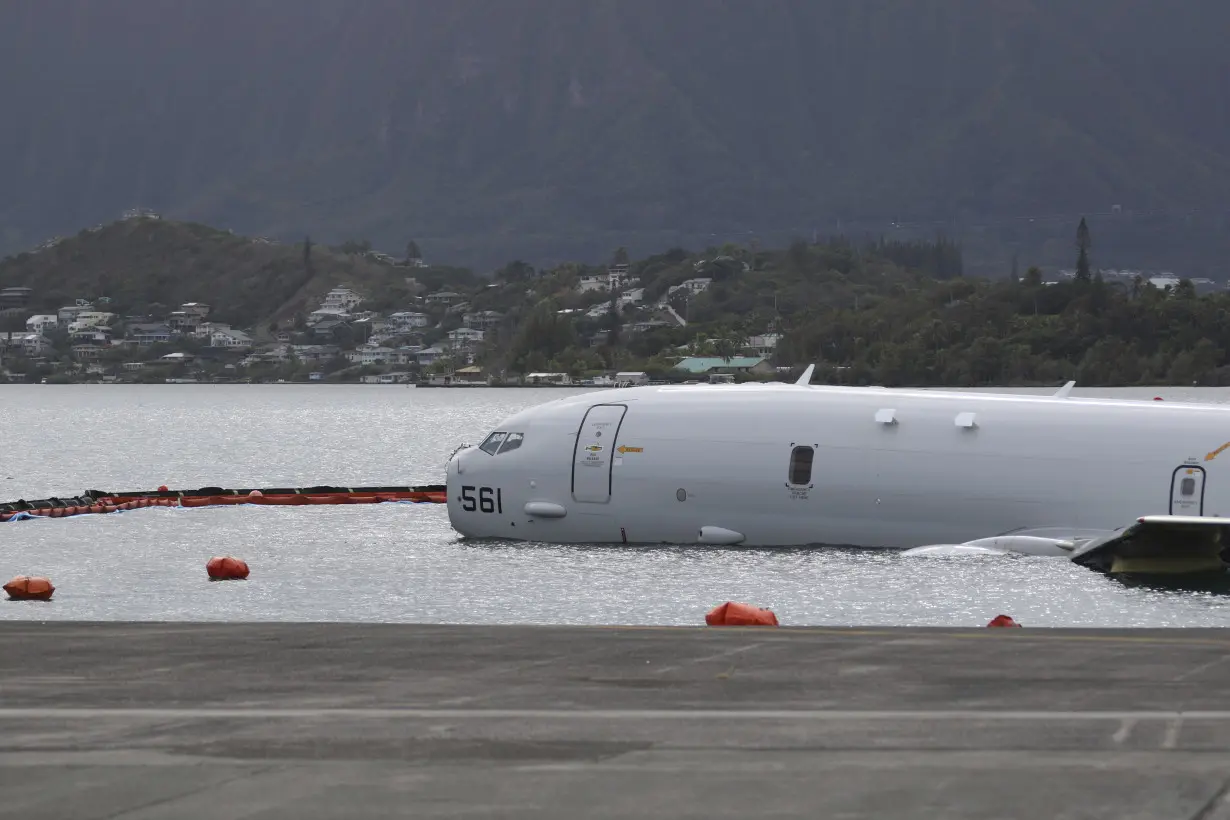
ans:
(733, 614)
(29, 588)
(1002, 620)
(226, 568)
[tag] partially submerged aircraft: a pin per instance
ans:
(1117, 486)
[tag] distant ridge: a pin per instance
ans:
(551, 129)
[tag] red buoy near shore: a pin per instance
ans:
(1002, 620)
(226, 568)
(736, 614)
(27, 588)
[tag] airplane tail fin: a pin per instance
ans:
(806, 377)
(1063, 392)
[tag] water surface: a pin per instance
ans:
(403, 562)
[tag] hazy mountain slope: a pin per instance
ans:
(496, 129)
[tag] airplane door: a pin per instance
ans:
(1187, 491)
(591, 458)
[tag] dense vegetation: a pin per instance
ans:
(555, 129)
(901, 314)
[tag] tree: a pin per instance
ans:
(620, 257)
(1083, 244)
(413, 254)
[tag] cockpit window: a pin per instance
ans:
(493, 442)
(512, 442)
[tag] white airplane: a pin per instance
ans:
(1117, 486)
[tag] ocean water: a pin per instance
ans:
(404, 563)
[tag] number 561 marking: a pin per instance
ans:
(489, 500)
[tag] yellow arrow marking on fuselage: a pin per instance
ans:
(623, 448)
(1215, 453)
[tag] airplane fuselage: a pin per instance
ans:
(781, 465)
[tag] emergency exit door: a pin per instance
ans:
(1187, 491)
(591, 459)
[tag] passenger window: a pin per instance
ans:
(800, 465)
(1188, 486)
(512, 442)
(492, 443)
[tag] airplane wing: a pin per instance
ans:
(1152, 545)
(1162, 544)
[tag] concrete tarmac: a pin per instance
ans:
(312, 721)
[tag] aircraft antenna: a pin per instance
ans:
(806, 377)
(1065, 390)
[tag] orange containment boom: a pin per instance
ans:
(98, 501)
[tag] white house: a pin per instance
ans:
(691, 286)
(370, 354)
(41, 323)
(763, 345)
(634, 377)
(92, 318)
(465, 337)
(632, 297)
(35, 345)
(341, 300)
(409, 319)
(547, 378)
(230, 338)
(69, 313)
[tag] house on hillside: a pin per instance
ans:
(146, 334)
(464, 338)
(12, 298)
(42, 323)
(690, 286)
(483, 319)
(409, 319)
(370, 354)
(708, 365)
(341, 300)
(229, 337)
(764, 345)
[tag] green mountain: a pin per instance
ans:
(553, 129)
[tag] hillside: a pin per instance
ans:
(551, 129)
(151, 265)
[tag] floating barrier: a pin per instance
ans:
(226, 568)
(1002, 620)
(733, 614)
(98, 501)
(29, 588)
